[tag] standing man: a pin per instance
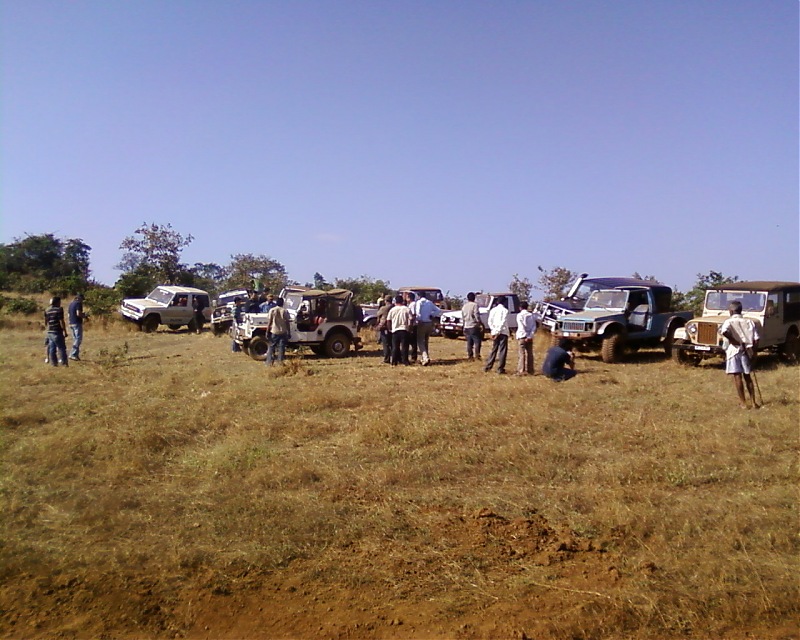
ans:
(382, 325)
(399, 319)
(268, 304)
(425, 313)
(411, 338)
(741, 339)
(526, 329)
(76, 318)
(473, 328)
(56, 332)
(278, 329)
(238, 309)
(198, 304)
(498, 326)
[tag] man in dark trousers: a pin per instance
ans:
(56, 332)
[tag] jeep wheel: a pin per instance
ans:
(257, 349)
(337, 345)
(613, 348)
(174, 327)
(452, 335)
(683, 357)
(790, 350)
(150, 323)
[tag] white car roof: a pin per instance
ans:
(174, 289)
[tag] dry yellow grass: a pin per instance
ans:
(167, 487)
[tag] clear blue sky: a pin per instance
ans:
(451, 143)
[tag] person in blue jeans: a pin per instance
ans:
(278, 329)
(56, 333)
(557, 360)
(76, 318)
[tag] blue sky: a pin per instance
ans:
(440, 142)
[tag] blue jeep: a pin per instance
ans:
(614, 320)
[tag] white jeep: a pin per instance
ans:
(166, 304)
(325, 321)
(773, 306)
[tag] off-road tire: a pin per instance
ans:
(174, 327)
(337, 344)
(790, 350)
(452, 335)
(684, 357)
(150, 323)
(257, 348)
(669, 339)
(613, 348)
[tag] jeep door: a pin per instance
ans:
(176, 312)
(773, 329)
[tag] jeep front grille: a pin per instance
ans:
(573, 325)
(707, 333)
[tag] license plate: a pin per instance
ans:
(567, 333)
(699, 348)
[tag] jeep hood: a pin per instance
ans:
(141, 303)
(595, 316)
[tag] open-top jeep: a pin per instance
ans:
(577, 295)
(624, 317)
(452, 322)
(774, 306)
(325, 321)
(169, 305)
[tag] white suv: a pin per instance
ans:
(172, 306)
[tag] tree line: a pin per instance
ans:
(151, 256)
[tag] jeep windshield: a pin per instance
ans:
(160, 295)
(483, 299)
(609, 299)
(720, 300)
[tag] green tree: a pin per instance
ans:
(555, 282)
(521, 286)
(155, 250)
(247, 270)
(693, 300)
(365, 289)
(44, 262)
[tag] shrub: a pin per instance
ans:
(25, 306)
(102, 301)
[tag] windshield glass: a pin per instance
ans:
(585, 290)
(160, 296)
(719, 300)
(607, 299)
(230, 296)
(293, 301)
(482, 299)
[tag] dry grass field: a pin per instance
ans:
(165, 487)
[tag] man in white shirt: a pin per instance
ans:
(498, 326)
(425, 313)
(741, 339)
(527, 323)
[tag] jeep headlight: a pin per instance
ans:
(692, 328)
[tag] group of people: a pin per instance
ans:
(56, 337)
(405, 324)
